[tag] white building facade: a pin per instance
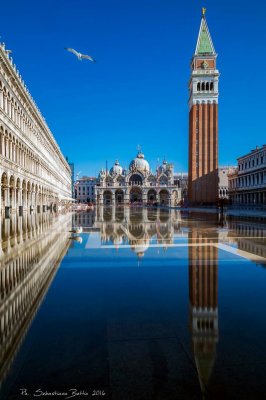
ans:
(223, 173)
(247, 183)
(138, 184)
(85, 189)
(33, 172)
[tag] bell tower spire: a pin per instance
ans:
(203, 119)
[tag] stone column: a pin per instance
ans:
(144, 197)
(113, 213)
(33, 199)
(19, 197)
(24, 198)
(14, 200)
(6, 196)
(113, 198)
(170, 200)
(126, 196)
(28, 198)
(101, 199)
(101, 213)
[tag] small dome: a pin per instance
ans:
(140, 163)
(116, 169)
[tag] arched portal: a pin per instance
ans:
(136, 195)
(152, 196)
(135, 180)
(119, 196)
(164, 197)
(107, 197)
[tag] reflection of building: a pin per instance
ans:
(203, 295)
(84, 219)
(249, 236)
(203, 120)
(33, 171)
(137, 228)
(138, 184)
(31, 249)
(85, 189)
(247, 183)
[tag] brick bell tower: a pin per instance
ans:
(203, 120)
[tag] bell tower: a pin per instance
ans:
(203, 120)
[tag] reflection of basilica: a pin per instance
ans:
(139, 227)
(31, 249)
(138, 184)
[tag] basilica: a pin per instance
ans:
(137, 184)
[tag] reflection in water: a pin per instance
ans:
(248, 236)
(143, 228)
(203, 297)
(140, 228)
(31, 249)
(133, 314)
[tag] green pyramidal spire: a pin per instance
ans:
(204, 43)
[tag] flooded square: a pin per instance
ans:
(144, 303)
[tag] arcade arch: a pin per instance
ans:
(135, 194)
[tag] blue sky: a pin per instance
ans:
(136, 92)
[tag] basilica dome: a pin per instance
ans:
(140, 249)
(139, 163)
(116, 169)
(163, 167)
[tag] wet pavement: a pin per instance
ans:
(143, 304)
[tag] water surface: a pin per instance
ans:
(143, 304)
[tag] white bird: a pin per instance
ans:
(77, 230)
(80, 55)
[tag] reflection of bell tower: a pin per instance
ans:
(203, 296)
(203, 120)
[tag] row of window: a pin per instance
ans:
(245, 181)
(252, 162)
(88, 191)
(13, 150)
(16, 112)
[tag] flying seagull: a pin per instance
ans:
(80, 55)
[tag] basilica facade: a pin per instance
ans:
(137, 184)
